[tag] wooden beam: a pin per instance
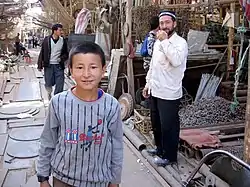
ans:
(230, 41)
(130, 71)
(197, 5)
(65, 4)
(246, 152)
(66, 17)
(83, 4)
(70, 7)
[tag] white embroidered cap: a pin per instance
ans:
(168, 13)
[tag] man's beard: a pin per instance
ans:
(169, 32)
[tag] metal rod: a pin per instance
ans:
(206, 157)
(212, 74)
(133, 138)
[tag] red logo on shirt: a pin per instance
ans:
(93, 135)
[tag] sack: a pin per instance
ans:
(144, 47)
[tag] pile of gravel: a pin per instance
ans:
(210, 112)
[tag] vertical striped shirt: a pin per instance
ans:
(82, 142)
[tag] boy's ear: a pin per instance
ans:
(103, 70)
(70, 70)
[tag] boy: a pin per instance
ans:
(82, 140)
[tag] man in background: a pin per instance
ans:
(52, 59)
(17, 44)
(164, 84)
(151, 38)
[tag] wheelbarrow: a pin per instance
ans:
(244, 167)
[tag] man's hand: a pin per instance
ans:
(45, 184)
(113, 185)
(161, 35)
(145, 93)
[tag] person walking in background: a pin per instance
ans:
(52, 58)
(17, 44)
(30, 41)
(33, 40)
(148, 47)
(164, 83)
(82, 140)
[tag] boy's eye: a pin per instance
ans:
(93, 67)
(79, 67)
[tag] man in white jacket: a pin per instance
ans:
(164, 83)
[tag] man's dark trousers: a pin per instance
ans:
(54, 75)
(166, 126)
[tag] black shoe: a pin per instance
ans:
(162, 162)
(154, 152)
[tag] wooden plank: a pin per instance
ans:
(34, 93)
(3, 140)
(6, 75)
(31, 73)
(225, 137)
(197, 5)
(222, 46)
(230, 42)
(3, 174)
(15, 76)
(215, 126)
(9, 88)
(15, 178)
(3, 83)
(232, 143)
(7, 98)
(114, 72)
(15, 81)
(22, 72)
(44, 93)
(26, 124)
(3, 126)
(247, 127)
(224, 128)
(130, 70)
(38, 74)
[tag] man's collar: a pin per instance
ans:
(172, 37)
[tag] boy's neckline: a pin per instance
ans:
(99, 95)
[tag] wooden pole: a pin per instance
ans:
(70, 8)
(230, 41)
(246, 152)
(71, 12)
(130, 71)
(197, 5)
(65, 4)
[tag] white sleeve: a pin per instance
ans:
(174, 52)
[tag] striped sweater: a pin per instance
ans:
(82, 142)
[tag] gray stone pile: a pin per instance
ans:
(210, 112)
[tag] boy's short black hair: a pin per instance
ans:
(154, 23)
(84, 48)
(55, 27)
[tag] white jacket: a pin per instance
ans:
(167, 67)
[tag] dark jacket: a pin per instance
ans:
(44, 56)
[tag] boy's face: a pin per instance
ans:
(87, 70)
